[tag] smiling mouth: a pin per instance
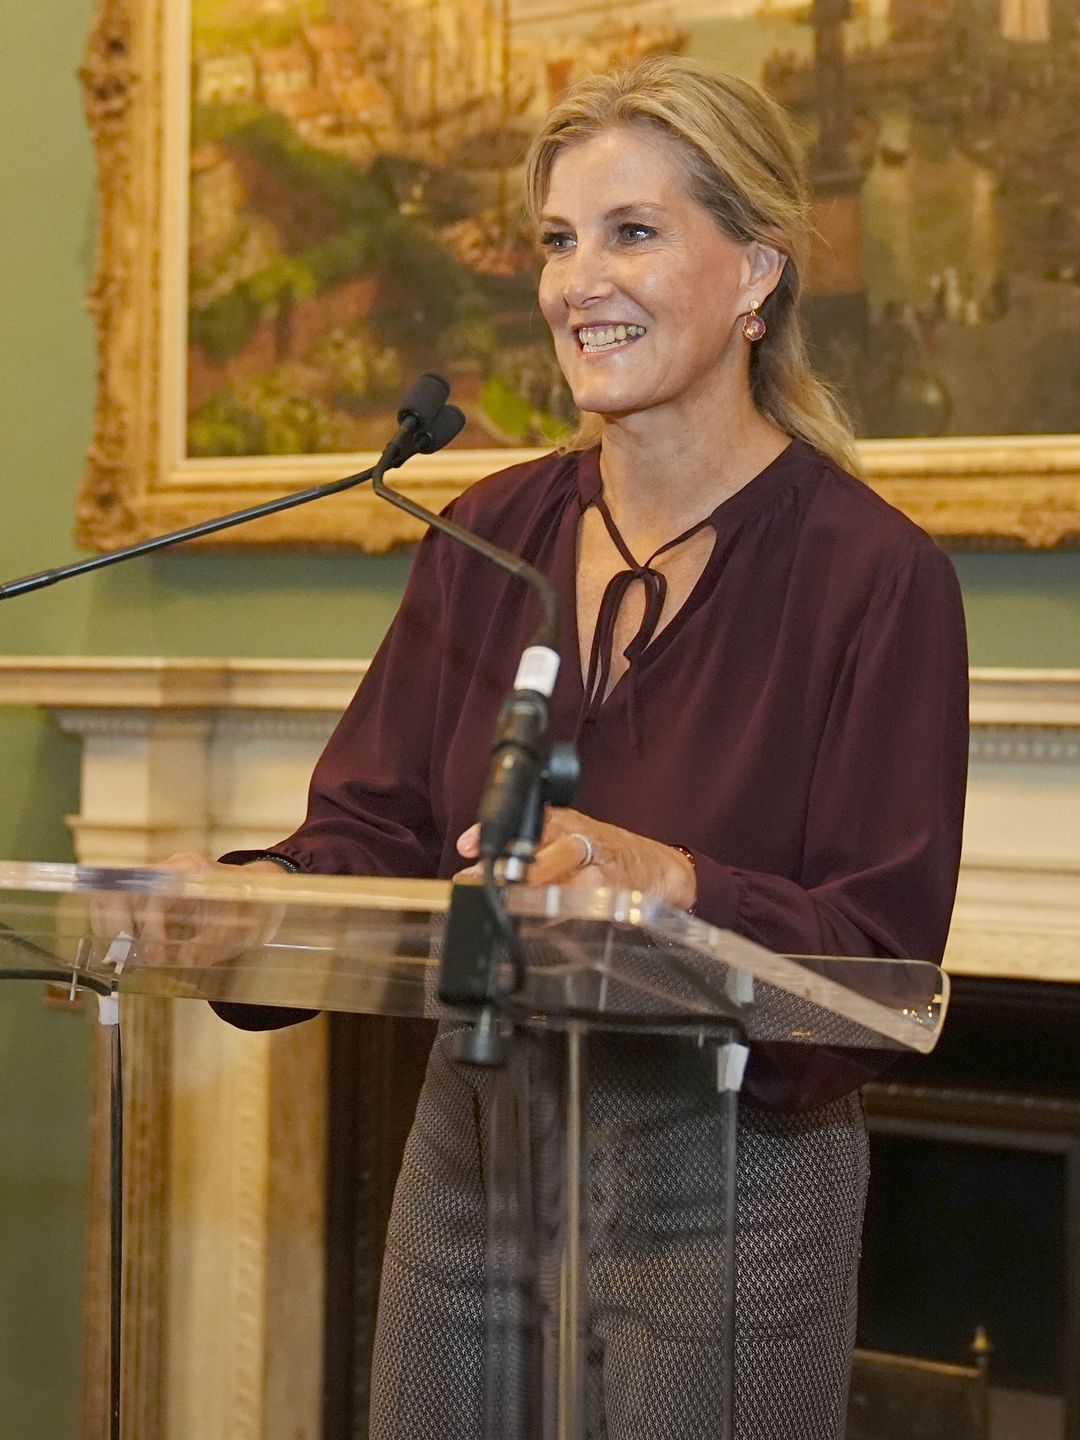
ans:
(594, 339)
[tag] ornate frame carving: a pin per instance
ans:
(997, 491)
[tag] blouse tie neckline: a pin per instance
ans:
(656, 585)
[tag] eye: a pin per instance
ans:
(554, 240)
(633, 232)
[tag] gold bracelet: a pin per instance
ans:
(687, 854)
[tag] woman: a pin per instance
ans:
(764, 669)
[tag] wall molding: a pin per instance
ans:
(1044, 744)
(1010, 697)
(1025, 697)
(156, 683)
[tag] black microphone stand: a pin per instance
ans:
(41, 578)
(526, 774)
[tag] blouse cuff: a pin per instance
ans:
(248, 857)
(718, 892)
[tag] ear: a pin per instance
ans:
(762, 267)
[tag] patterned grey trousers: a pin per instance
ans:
(654, 1354)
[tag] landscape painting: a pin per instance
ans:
(355, 205)
(341, 208)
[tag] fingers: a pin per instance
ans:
(113, 925)
(577, 850)
(158, 918)
(190, 860)
(565, 860)
(163, 930)
(218, 931)
(559, 856)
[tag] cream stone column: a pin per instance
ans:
(145, 778)
(225, 1131)
(144, 796)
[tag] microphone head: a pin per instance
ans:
(447, 423)
(424, 401)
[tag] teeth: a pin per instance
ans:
(601, 337)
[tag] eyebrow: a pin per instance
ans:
(621, 212)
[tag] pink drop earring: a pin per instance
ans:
(753, 326)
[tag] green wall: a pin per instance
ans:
(1023, 610)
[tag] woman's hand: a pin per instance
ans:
(578, 850)
(177, 930)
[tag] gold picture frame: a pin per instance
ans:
(1001, 491)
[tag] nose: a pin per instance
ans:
(587, 277)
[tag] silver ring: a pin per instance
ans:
(587, 859)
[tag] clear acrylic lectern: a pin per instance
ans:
(625, 1049)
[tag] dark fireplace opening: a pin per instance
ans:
(959, 1236)
(973, 1215)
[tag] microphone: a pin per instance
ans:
(446, 426)
(420, 409)
(511, 807)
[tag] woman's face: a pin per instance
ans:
(642, 290)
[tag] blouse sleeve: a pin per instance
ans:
(375, 817)
(379, 824)
(885, 813)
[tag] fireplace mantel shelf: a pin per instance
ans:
(999, 697)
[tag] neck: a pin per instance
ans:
(664, 472)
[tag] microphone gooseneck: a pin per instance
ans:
(512, 803)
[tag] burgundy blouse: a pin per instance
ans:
(800, 725)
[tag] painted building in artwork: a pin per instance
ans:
(225, 79)
(217, 199)
(335, 54)
(283, 70)
(1027, 21)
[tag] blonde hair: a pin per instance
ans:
(743, 165)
